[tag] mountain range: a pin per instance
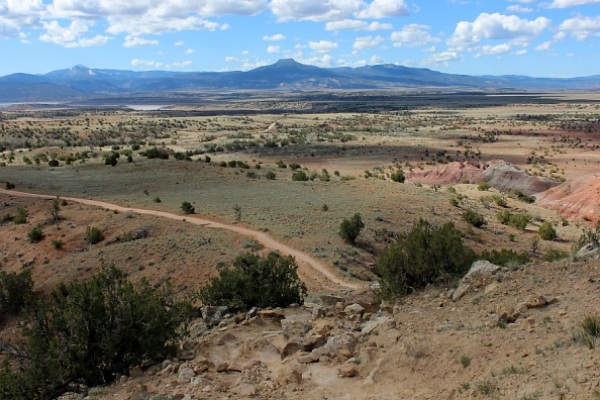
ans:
(83, 82)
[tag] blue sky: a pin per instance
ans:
(553, 38)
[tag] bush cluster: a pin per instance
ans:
(425, 255)
(547, 231)
(473, 218)
(506, 257)
(88, 332)
(255, 281)
(516, 220)
(16, 290)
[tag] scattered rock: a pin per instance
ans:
(461, 291)
(186, 375)
(347, 371)
(271, 314)
(354, 309)
(294, 328)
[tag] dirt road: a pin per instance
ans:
(304, 260)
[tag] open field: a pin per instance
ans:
(285, 170)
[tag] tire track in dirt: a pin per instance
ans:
(303, 259)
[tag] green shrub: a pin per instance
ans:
(88, 332)
(425, 255)
(9, 185)
(93, 235)
(111, 159)
(518, 220)
(57, 244)
(554, 255)
(295, 166)
(590, 330)
(398, 176)
(270, 175)
(187, 208)
(483, 186)
(473, 218)
(254, 281)
(16, 290)
(281, 164)
(20, 216)
(300, 176)
(519, 195)
(506, 257)
(547, 231)
(156, 152)
(53, 163)
(350, 228)
(499, 200)
(35, 235)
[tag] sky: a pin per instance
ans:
(547, 38)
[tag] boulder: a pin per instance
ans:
(347, 371)
(186, 375)
(294, 328)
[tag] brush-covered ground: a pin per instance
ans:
(421, 348)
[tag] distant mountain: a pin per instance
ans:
(83, 82)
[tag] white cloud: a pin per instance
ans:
(314, 10)
(274, 38)
(70, 36)
(231, 59)
(384, 9)
(544, 46)
(190, 51)
(137, 62)
(323, 46)
(493, 50)
(366, 42)
(133, 41)
(442, 59)
(322, 61)
(356, 25)
(375, 60)
(519, 9)
(179, 43)
(496, 26)
(581, 28)
(413, 35)
(571, 3)
(521, 52)
(273, 49)
(248, 65)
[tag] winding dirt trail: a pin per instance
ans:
(303, 259)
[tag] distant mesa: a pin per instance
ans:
(80, 81)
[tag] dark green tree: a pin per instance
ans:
(255, 281)
(350, 228)
(425, 255)
(88, 332)
(187, 208)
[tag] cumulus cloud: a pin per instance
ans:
(442, 59)
(413, 35)
(190, 51)
(132, 41)
(496, 26)
(571, 3)
(179, 43)
(323, 46)
(274, 38)
(314, 10)
(356, 25)
(322, 61)
(71, 35)
(366, 42)
(544, 46)
(581, 28)
(273, 49)
(493, 50)
(384, 9)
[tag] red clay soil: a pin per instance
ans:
(579, 198)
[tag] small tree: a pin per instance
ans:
(299, 176)
(350, 228)
(187, 208)
(255, 281)
(54, 209)
(473, 218)
(547, 231)
(16, 290)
